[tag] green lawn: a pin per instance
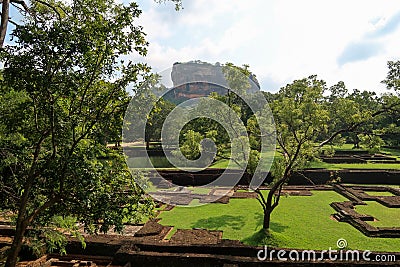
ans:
(369, 165)
(200, 190)
(340, 166)
(347, 147)
(387, 217)
(144, 163)
(298, 222)
(220, 164)
(379, 193)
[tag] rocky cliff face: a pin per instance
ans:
(197, 79)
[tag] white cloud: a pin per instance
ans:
(281, 40)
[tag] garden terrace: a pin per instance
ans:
(360, 158)
(358, 194)
(209, 235)
(222, 254)
(168, 178)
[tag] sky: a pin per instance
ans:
(281, 40)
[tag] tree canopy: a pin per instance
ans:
(62, 97)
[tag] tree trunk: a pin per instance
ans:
(4, 20)
(12, 257)
(267, 219)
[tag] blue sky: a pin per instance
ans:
(281, 40)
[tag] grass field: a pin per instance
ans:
(379, 193)
(347, 147)
(364, 166)
(387, 217)
(200, 190)
(298, 222)
(220, 164)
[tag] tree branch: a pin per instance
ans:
(45, 206)
(50, 6)
(9, 20)
(228, 158)
(355, 125)
(9, 191)
(262, 200)
(277, 197)
(305, 177)
(284, 178)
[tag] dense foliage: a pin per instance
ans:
(62, 96)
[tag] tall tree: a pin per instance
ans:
(300, 117)
(63, 82)
(154, 123)
(30, 9)
(392, 80)
(350, 113)
(391, 124)
(304, 116)
(25, 9)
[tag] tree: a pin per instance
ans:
(178, 3)
(350, 114)
(214, 127)
(392, 80)
(191, 145)
(32, 11)
(63, 82)
(300, 116)
(154, 123)
(232, 130)
(304, 116)
(306, 120)
(22, 7)
(391, 125)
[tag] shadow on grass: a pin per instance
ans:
(275, 227)
(212, 223)
(261, 237)
(272, 237)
